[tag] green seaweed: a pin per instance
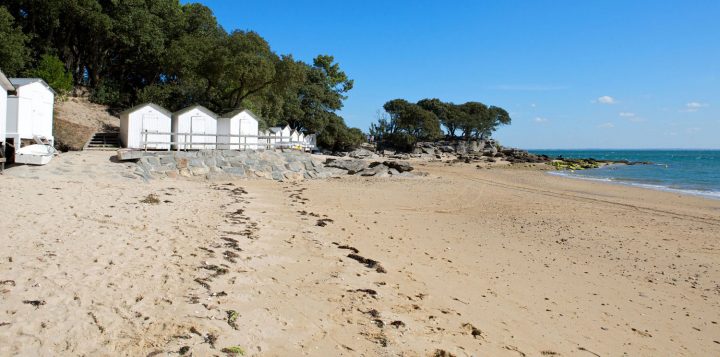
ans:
(232, 317)
(235, 350)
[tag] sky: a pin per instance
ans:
(572, 74)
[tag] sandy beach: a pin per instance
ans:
(465, 261)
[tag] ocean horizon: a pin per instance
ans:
(686, 171)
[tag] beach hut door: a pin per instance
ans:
(197, 126)
(150, 123)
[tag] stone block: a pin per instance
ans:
(199, 170)
(235, 171)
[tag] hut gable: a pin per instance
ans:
(148, 117)
(194, 127)
(243, 125)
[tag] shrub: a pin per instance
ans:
(53, 71)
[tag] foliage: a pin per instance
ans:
(404, 123)
(173, 54)
(13, 53)
(53, 72)
(337, 136)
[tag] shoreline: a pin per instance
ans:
(711, 195)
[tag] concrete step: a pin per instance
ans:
(103, 141)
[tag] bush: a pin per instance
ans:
(53, 71)
(106, 93)
(338, 137)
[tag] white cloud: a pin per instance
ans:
(631, 117)
(606, 99)
(692, 130)
(533, 105)
(607, 125)
(694, 106)
(540, 120)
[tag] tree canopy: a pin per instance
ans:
(407, 123)
(132, 51)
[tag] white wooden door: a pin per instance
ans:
(150, 123)
(197, 126)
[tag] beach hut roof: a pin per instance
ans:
(275, 129)
(238, 111)
(5, 82)
(20, 82)
(198, 107)
(155, 106)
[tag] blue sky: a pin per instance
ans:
(572, 74)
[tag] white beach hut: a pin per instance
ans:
(29, 111)
(199, 123)
(5, 87)
(145, 117)
(294, 139)
(301, 139)
(238, 122)
(274, 134)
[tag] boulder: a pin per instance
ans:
(374, 170)
(351, 166)
(401, 166)
(362, 154)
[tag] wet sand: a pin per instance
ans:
(464, 261)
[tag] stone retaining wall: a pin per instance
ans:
(288, 165)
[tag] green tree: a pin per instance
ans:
(413, 120)
(337, 136)
(14, 54)
(449, 114)
(53, 72)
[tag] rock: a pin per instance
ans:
(351, 166)
(199, 170)
(294, 176)
(401, 166)
(374, 170)
(362, 154)
(236, 171)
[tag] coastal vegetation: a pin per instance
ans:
(408, 123)
(175, 55)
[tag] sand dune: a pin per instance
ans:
(464, 261)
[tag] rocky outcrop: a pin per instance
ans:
(351, 166)
(363, 154)
(377, 169)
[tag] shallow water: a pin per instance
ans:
(695, 172)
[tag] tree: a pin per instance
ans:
(53, 71)
(173, 54)
(337, 136)
(449, 114)
(319, 96)
(413, 120)
(14, 54)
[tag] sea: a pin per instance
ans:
(693, 172)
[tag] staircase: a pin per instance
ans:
(103, 141)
